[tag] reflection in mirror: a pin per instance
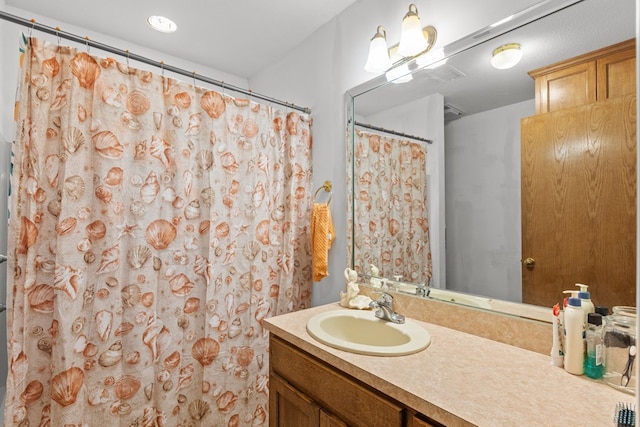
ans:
(391, 184)
(473, 184)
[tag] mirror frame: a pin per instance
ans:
(524, 17)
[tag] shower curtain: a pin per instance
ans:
(391, 226)
(155, 225)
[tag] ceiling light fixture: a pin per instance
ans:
(162, 24)
(414, 41)
(506, 56)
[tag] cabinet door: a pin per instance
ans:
(330, 420)
(354, 402)
(617, 74)
(566, 88)
(290, 408)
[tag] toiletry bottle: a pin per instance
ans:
(557, 354)
(586, 309)
(602, 310)
(574, 337)
(584, 295)
(593, 364)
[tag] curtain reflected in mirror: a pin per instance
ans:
(390, 193)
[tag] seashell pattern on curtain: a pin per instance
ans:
(391, 230)
(155, 225)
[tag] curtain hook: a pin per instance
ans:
(33, 24)
(58, 35)
(162, 67)
(250, 96)
(223, 94)
(127, 57)
(193, 74)
(86, 43)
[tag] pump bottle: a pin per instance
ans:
(574, 326)
(587, 304)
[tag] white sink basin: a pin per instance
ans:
(361, 332)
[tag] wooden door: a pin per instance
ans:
(579, 202)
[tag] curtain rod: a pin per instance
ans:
(125, 53)
(393, 132)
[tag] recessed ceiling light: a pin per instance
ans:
(162, 24)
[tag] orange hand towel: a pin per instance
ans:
(322, 236)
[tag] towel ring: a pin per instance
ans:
(327, 187)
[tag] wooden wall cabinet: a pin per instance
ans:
(306, 392)
(595, 76)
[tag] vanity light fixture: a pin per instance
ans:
(378, 59)
(162, 24)
(414, 41)
(506, 56)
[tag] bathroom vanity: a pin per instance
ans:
(459, 380)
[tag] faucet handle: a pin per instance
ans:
(386, 299)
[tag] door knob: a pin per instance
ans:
(529, 262)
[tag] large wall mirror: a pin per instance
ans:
(455, 132)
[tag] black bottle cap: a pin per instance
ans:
(604, 311)
(594, 319)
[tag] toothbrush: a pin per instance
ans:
(625, 415)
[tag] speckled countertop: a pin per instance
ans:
(462, 379)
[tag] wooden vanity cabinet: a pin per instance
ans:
(306, 392)
(595, 76)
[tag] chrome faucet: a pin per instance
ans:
(385, 309)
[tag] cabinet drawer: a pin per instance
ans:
(353, 402)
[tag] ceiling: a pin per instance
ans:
(254, 33)
(469, 83)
